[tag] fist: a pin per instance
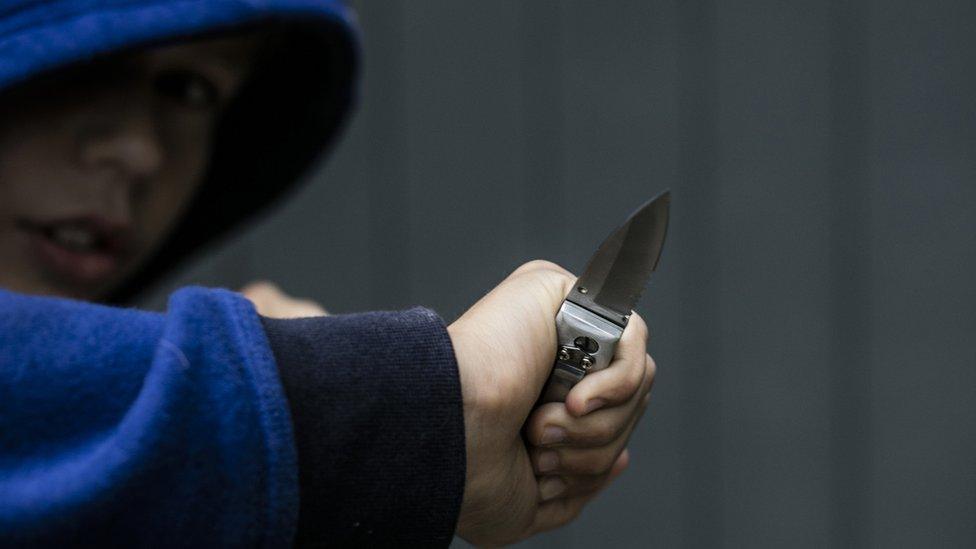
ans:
(531, 470)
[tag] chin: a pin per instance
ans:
(42, 284)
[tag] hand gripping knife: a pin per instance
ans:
(594, 314)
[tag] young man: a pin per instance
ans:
(133, 132)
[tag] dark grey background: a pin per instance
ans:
(815, 311)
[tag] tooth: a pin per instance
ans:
(74, 237)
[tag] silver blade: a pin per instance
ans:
(615, 277)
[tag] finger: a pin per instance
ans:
(618, 382)
(265, 296)
(260, 290)
(303, 308)
(551, 425)
(541, 264)
(563, 510)
(286, 307)
(584, 461)
(271, 301)
(619, 466)
(564, 486)
(557, 513)
(552, 487)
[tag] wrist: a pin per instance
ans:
(477, 404)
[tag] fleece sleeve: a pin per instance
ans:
(376, 405)
(127, 428)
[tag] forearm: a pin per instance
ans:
(129, 427)
(376, 404)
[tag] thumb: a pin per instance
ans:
(557, 281)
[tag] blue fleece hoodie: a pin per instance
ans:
(209, 425)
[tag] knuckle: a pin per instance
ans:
(563, 520)
(651, 367)
(268, 286)
(571, 512)
(605, 464)
(595, 465)
(543, 267)
(628, 384)
(594, 468)
(257, 288)
(536, 265)
(640, 327)
(602, 432)
(543, 416)
(574, 511)
(636, 378)
(534, 432)
(554, 279)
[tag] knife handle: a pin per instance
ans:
(586, 343)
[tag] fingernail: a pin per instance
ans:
(551, 487)
(594, 404)
(548, 461)
(552, 435)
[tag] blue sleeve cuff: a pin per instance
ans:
(126, 428)
(379, 426)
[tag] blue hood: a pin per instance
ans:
(285, 117)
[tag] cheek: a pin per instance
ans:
(35, 169)
(188, 146)
(34, 183)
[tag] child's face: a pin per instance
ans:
(98, 161)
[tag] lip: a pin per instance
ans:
(77, 266)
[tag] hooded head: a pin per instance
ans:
(134, 132)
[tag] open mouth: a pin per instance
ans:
(82, 249)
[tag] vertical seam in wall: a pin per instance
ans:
(386, 165)
(543, 112)
(697, 217)
(850, 265)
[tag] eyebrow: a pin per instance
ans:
(229, 64)
(235, 62)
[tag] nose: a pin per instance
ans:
(124, 140)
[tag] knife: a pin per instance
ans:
(595, 313)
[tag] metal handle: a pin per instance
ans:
(586, 344)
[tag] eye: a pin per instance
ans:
(187, 88)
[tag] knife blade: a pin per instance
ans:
(596, 311)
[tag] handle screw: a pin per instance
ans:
(583, 290)
(563, 354)
(586, 363)
(587, 344)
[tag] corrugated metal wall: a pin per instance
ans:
(815, 315)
